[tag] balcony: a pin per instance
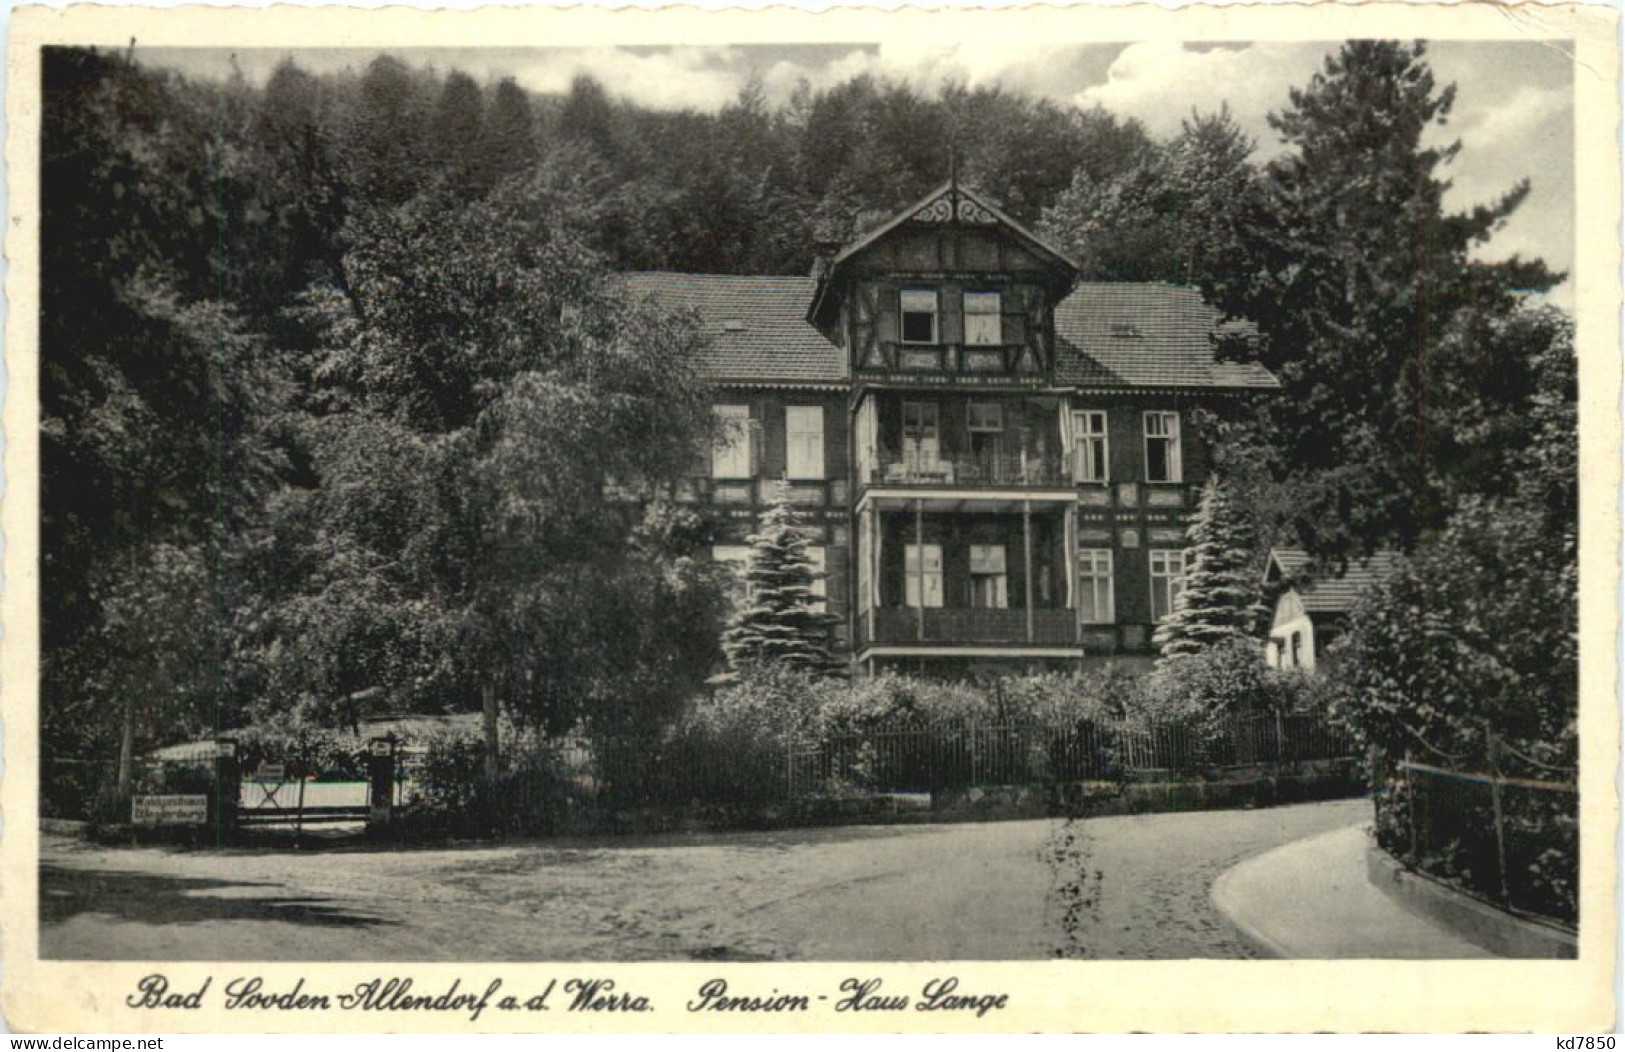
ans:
(963, 625)
(970, 470)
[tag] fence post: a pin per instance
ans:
(381, 775)
(1493, 744)
(1280, 741)
(1410, 807)
(227, 786)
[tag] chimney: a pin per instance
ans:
(828, 239)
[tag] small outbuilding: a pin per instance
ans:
(1311, 605)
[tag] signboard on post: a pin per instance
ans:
(191, 809)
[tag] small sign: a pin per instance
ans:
(271, 772)
(187, 810)
(382, 746)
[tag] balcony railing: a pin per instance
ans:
(902, 624)
(970, 470)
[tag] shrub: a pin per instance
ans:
(452, 795)
(1474, 638)
(1064, 700)
(768, 702)
(891, 699)
(305, 750)
(179, 778)
(1227, 679)
(448, 789)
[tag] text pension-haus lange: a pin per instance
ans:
(996, 461)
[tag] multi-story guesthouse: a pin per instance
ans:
(996, 460)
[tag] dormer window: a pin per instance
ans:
(919, 310)
(982, 319)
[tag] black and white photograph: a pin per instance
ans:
(1006, 500)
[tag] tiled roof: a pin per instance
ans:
(757, 325)
(1330, 594)
(1108, 334)
(1141, 334)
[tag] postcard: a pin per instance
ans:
(1023, 519)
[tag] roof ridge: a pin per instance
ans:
(712, 274)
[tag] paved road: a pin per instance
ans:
(1130, 887)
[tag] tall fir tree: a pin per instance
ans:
(1354, 271)
(777, 624)
(1221, 599)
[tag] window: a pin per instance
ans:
(804, 438)
(986, 417)
(820, 585)
(922, 444)
(1297, 650)
(730, 457)
(1167, 581)
(1162, 447)
(982, 319)
(1095, 600)
(988, 587)
(922, 575)
(919, 308)
(737, 558)
(1089, 431)
(985, 422)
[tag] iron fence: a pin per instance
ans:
(925, 758)
(743, 767)
(1512, 840)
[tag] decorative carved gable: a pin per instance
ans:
(950, 205)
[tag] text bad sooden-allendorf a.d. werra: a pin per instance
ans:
(589, 995)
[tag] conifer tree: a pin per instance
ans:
(777, 625)
(1221, 599)
(1355, 271)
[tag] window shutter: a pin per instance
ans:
(1176, 459)
(886, 316)
(1015, 326)
(951, 315)
(774, 454)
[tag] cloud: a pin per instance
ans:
(701, 78)
(1513, 115)
(1053, 71)
(1161, 82)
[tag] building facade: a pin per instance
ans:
(997, 461)
(1312, 604)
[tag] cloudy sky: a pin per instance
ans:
(1514, 107)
